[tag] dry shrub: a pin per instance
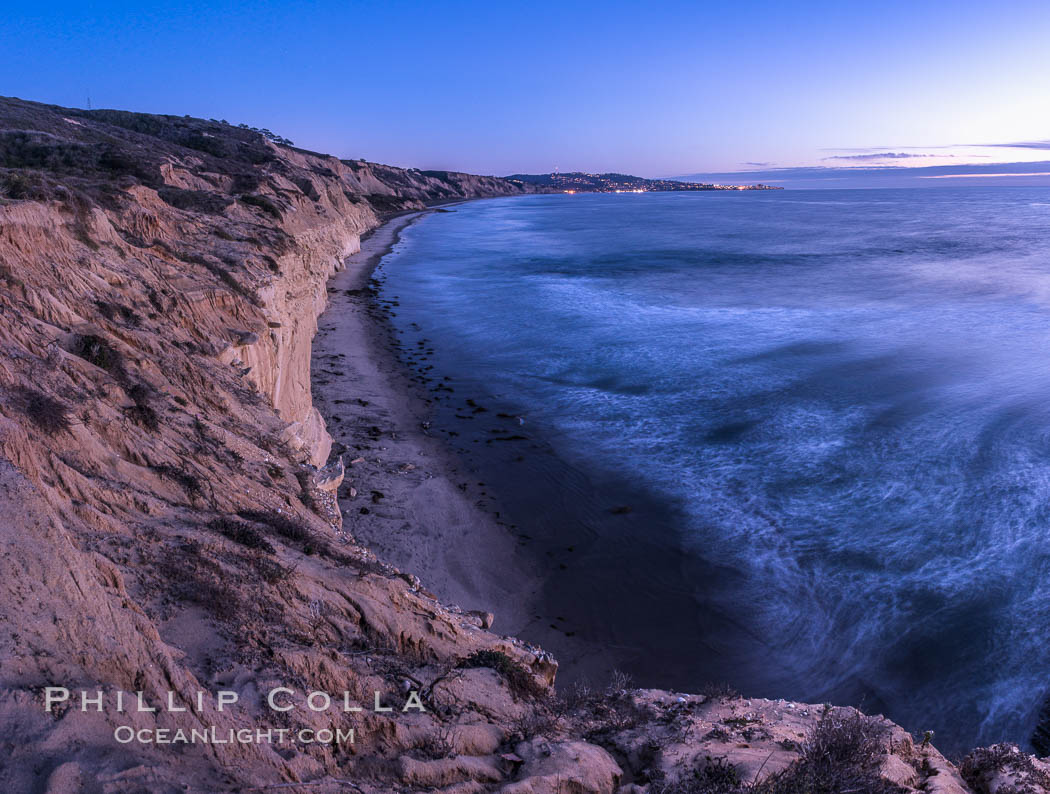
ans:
(142, 411)
(268, 569)
(841, 755)
(520, 682)
(98, 351)
(983, 764)
(279, 523)
(242, 533)
(439, 743)
(44, 411)
(188, 481)
(537, 722)
(263, 203)
(194, 578)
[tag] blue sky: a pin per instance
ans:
(655, 89)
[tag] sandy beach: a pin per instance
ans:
(404, 495)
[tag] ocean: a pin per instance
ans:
(796, 442)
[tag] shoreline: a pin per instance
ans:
(405, 494)
(445, 508)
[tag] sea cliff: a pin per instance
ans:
(170, 522)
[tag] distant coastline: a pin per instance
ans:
(581, 182)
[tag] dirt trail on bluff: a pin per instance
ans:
(170, 522)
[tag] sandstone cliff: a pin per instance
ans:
(165, 526)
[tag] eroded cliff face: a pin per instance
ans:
(165, 528)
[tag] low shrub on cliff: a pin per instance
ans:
(27, 186)
(221, 271)
(263, 203)
(44, 411)
(225, 144)
(307, 187)
(279, 523)
(268, 569)
(98, 351)
(118, 311)
(438, 743)
(533, 723)
(130, 162)
(711, 776)
(191, 576)
(984, 764)
(240, 532)
(142, 411)
(35, 149)
(204, 201)
(519, 680)
(186, 480)
(208, 144)
(293, 530)
(715, 690)
(840, 755)
(84, 161)
(383, 203)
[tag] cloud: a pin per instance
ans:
(885, 148)
(971, 176)
(894, 173)
(759, 165)
(882, 156)
(1018, 145)
(888, 150)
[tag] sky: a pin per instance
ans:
(764, 87)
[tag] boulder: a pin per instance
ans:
(564, 768)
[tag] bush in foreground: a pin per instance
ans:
(841, 755)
